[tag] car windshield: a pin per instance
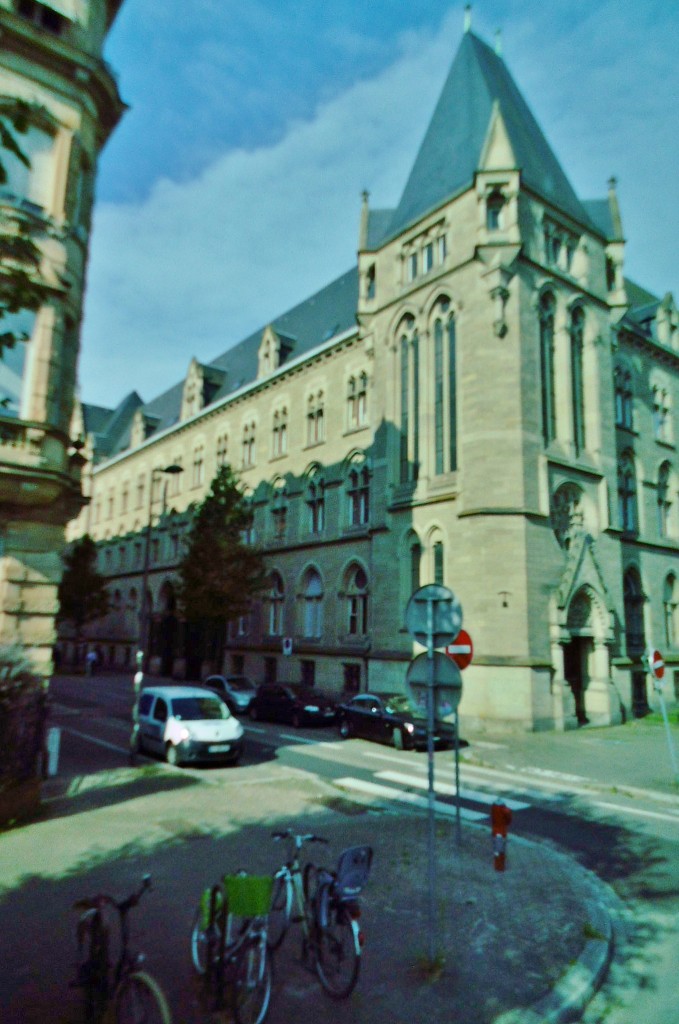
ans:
(400, 704)
(195, 709)
(242, 684)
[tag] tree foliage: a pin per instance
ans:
(82, 591)
(22, 716)
(21, 286)
(220, 574)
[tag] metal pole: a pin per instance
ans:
(458, 826)
(430, 761)
(670, 742)
(144, 616)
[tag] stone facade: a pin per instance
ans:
(485, 401)
(52, 59)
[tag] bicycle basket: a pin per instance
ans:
(249, 895)
(353, 869)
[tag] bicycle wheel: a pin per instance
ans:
(338, 958)
(93, 971)
(279, 914)
(139, 999)
(204, 941)
(252, 983)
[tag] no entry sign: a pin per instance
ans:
(656, 664)
(461, 650)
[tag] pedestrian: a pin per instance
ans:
(90, 662)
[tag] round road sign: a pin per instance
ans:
(461, 650)
(447, 680)
(656, 664)
(433, 612)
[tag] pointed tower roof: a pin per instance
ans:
(479, 84)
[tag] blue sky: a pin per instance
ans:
(231, 189)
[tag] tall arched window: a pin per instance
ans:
(359, 492)
(670, 609)
(633, 597)
(276, 597)
(445, 390)
(547, 306)
(494, 207)
(577, 377)
(279, 509)
(664, 500)
(312, 596)
(280, 433)
(623, 398)
(627, 493)
(415, 564)
(315, 499)
(409, 401)
(437, 558)
(357, 601)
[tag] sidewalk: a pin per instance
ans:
(539, 931)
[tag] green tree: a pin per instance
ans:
(21, 286)
(82, 591)
(220, 574)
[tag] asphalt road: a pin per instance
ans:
(604, 796)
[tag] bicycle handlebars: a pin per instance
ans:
(299, 840)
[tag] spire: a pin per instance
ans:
(614, 208)
(363, 226)
(451, 151)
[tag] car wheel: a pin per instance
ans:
(172, 755)
(397, 737)
(296, 720)
(345, 729)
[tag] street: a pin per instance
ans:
(556, 787)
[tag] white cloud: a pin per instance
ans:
(199, 265)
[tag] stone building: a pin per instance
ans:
(51, 58)
(485, 401)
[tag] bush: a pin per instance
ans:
(23, 707)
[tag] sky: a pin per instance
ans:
(231, 189)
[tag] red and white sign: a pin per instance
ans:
(461, 651)
(656, 664)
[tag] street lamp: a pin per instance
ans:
(144, 622)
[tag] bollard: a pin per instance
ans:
(53, 743)
(500, 819)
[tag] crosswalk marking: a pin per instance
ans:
(389, 793)
(673, 817)
(447, 790)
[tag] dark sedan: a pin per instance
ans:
(390, 718)
(276, 702)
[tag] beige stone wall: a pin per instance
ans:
(78, 107)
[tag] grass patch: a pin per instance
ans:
(343, 805)
(428, 969)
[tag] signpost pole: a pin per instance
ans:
(430, 760)
(670, 743)
(458, 824)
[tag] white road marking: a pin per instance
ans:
(389, 793)
(620, 809)
(96, 740)
(401, 778)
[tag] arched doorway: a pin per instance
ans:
(577, 653)
(167, 628)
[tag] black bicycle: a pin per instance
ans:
(229, 946)
(326, 903)
(134, 994)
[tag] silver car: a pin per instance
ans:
(237, 691)
(186, 723)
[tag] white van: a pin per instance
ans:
(186, 723)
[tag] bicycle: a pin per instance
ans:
(328, 908)
(134, 994)
(229, 945)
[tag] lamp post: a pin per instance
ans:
(144, 621)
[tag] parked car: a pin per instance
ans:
(295, 704)
(389, 718)
(236, 691)
(186, 723)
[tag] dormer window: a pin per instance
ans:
(370, 283)
(494, 210)
(412, 266)
(427, 257)
(560, 245)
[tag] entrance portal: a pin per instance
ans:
(575, 664)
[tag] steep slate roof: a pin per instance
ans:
(451, 151)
